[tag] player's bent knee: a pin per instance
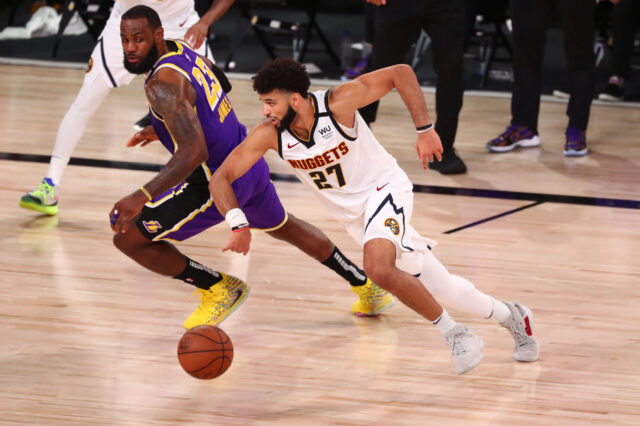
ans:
(128, 242)
(382, 275)
(120, 241)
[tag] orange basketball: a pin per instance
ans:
(205, 351)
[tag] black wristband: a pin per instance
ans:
(425, 128)
(240, 227)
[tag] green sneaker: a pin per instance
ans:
(43, 199)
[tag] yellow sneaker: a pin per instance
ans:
(220, 300)
(373, 300)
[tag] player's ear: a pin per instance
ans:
(295, 99)
(158, 35)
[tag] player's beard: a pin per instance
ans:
(286, 120)
(145, 65)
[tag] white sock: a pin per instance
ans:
(444, 323)
(500, 311)
(73, 124)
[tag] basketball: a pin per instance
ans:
(205, 352)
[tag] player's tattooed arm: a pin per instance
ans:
(172, 97)
(173, 100)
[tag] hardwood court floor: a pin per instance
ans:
(89, 337)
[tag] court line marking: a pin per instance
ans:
(497, 216)
(421, 189)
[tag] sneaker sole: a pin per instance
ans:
(523, 143)
(609, 98)
(573, 153)
(561, 95)
(379, 311)
(50, 210)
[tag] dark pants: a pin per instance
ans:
(626, 20)
(397, 27)
(531, 18)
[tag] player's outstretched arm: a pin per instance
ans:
(345, 99)
(261, 138)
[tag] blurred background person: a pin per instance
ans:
(397, 25)
(105, 72)
(626, 21)
(530, 21)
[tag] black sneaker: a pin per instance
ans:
(613, 93)
(142, 123)
(451, 164)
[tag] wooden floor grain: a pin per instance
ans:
(89, 337)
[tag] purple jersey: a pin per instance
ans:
(188, 209)
(222, 130)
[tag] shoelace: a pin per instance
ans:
(43, 191)
(509, 131)
(456, 343)
(374, 294)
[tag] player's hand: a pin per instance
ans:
(239, 242)
(143, 137)
(428, 146)
(196, 34)
(126, 210)
(378, 2)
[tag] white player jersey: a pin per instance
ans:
(343, 166)
(164, 8)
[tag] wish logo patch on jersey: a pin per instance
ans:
(152, 226)
(393, 225)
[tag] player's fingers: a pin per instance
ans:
(439, 155)
(198, 41)
(133, 141)
(119, 226)
(146, 142)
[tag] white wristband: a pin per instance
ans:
(236, 219)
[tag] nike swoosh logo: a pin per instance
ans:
(291, 146)
(185, 21)
(380, 187)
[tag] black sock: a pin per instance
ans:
(198, 275)
(345, 268)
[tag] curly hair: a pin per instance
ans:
(282, 74)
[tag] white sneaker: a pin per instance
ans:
(520, 325)
(466, 348)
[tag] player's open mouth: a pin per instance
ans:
(133, 59)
